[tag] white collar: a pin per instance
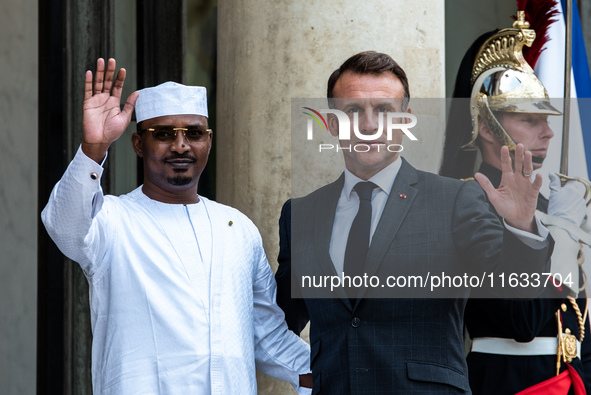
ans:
(384, 179)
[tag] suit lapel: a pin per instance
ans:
(399, 202)
(324, 219)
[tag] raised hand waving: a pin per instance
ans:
(516, 197)
(103, 121)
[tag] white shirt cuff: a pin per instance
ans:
(304, 391)
(80, 152)
(530, 239)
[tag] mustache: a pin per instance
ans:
(179, 156)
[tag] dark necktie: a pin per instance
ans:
(358, 241)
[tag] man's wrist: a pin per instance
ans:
(530, 227)
(95, 151)
(306, 380)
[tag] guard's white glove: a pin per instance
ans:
(567, 201)
(566, 214)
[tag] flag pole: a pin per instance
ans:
(568, 16)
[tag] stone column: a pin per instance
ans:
(18, 196)
(271, 52)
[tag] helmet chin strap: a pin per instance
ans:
(493, 123)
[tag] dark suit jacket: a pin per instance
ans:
(397, 346)
(522, 320)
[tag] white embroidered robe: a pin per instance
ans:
(148, 309)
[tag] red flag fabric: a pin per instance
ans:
(558, 385)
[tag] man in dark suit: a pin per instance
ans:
(363, 342)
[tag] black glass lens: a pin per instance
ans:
(164, 134)
(195, 134)
(169, 134)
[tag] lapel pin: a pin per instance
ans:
(230, 223)
(402, 195)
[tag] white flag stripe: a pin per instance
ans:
(550, 70)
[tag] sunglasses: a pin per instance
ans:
(166, 134)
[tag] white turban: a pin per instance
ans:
(171, 98)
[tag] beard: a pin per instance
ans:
(179, 180)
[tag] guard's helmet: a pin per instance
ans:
(503, 81)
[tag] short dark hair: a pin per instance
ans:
(369, 62)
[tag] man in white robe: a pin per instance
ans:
(182, 298)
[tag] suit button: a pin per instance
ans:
(355, 322)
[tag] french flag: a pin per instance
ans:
(550, 70)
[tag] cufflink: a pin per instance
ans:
(94, 176)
